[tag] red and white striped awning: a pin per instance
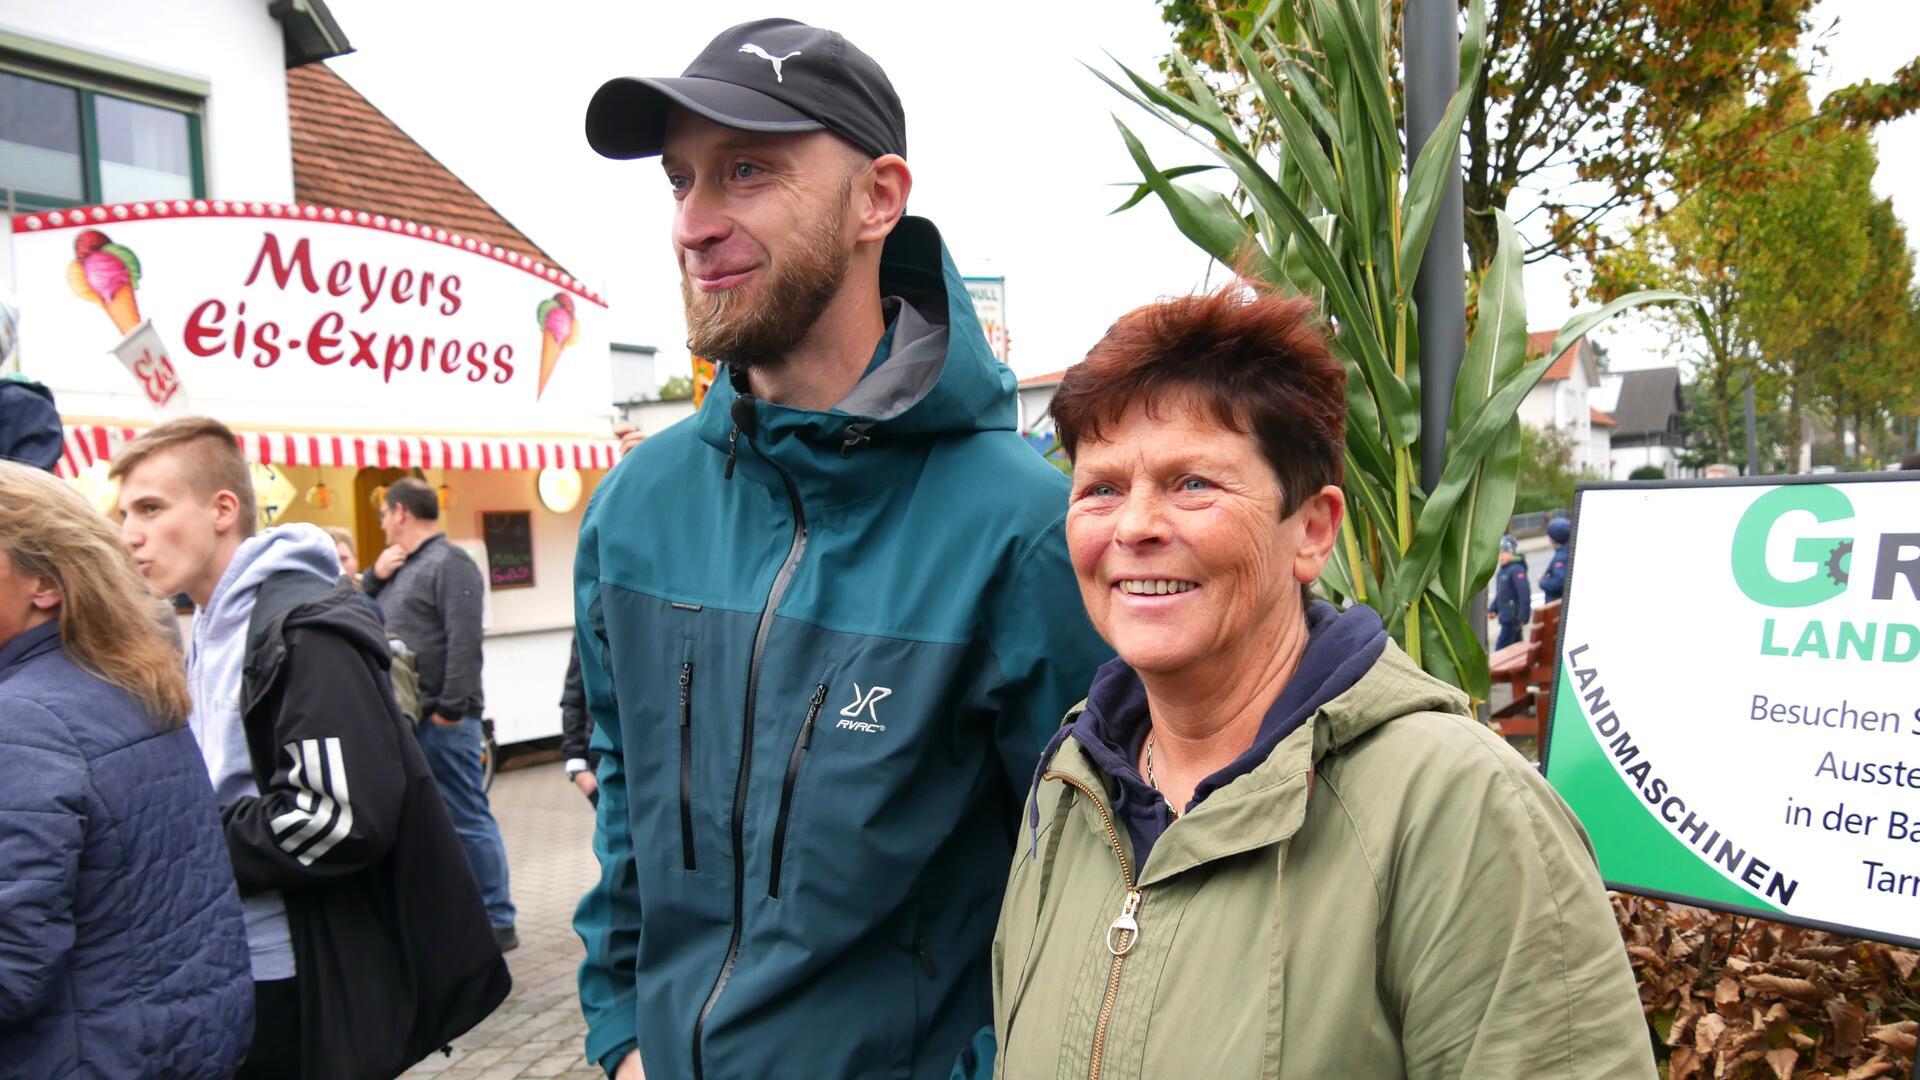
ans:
(88, 443)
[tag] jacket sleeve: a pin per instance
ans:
(43, 800)
(457, 590)
(1555, 578)
(574, 724)
(608, 918)
(332, 805)
(1047, 652)
(1499, 951)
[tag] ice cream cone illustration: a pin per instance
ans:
(107, 274)
(558, 329)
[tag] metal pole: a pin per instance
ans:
(1432, 47)
(1754, 460)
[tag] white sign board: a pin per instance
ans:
(990, 304)
(340, 313)
(1737, 714)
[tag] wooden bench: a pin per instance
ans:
(1528, 667)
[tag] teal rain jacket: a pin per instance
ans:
(823, 651)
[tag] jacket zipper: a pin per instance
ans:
(686, 764)
(781, 580)
(800, 745)
(1121, 936)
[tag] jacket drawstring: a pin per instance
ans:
(745, 419)
(856, 437)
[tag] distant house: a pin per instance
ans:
(1601, 444)
(1559, 399)
(1035, 397)
(1647, 412)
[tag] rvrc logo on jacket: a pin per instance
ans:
(864, 702)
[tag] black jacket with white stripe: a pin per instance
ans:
(394, 951)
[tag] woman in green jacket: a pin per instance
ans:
(1268, 845)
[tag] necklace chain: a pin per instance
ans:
(1147, 767)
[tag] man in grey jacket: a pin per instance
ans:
(430, 593)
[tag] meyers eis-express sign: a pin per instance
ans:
(322, 307)
(1737, 716)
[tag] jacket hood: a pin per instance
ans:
(940, 377)
(301, 548)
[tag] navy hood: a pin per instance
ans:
(29, 424)
(1342, 646)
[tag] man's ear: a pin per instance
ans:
(883, 197)
(226, 511)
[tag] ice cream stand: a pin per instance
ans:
(346, 349)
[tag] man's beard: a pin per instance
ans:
(733, 328)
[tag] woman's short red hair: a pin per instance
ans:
(1257, 360)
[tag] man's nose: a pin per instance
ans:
(700, 219)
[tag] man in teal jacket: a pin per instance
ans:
(826, 624)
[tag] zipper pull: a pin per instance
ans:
(686, 689)
(856, 437)
(1126, 927)
(813, 714)
(733, 439)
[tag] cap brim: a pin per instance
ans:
(627, 117)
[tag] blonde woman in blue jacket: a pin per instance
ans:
(122, 950)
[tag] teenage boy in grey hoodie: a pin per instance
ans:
(313, 769)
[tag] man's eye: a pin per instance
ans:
(745, 171)
(1102, 491)
(1194, 483)
(677, 182)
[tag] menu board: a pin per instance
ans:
(508, 535)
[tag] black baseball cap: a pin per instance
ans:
(773, 75)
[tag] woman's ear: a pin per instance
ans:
(46, 594)
(1320, 516)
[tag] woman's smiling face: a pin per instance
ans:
(1177, 540)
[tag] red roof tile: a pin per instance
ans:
(1601, 419)
(1539, 341)
(1051, 378)
(347, 153)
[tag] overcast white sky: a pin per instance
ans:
(1011, 139)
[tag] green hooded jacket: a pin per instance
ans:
(1392, 893)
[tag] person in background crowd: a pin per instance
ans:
(1512, 597)
(431, 593)
(825, 624)
(343, 545)
(369, 945)
(1720, 470)
(30, 431)
(1553, 583)
(1268, 844)
(122, 950)
(576, 731)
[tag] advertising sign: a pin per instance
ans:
(1736, 718)
(990, 304)
(342, 313)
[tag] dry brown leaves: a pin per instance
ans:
(1730, 997)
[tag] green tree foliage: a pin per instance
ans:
(1547, 476)
(1648, 472)
(1805, 272)
(1588, 106)
(677, 388)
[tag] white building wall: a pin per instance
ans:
(234, 45)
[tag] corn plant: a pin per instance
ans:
(1328, 206)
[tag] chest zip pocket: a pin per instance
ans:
(686, 764)
(801, 743)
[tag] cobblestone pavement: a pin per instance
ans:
(538, 1030)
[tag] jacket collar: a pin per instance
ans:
(1268, 804)
(29, 644)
